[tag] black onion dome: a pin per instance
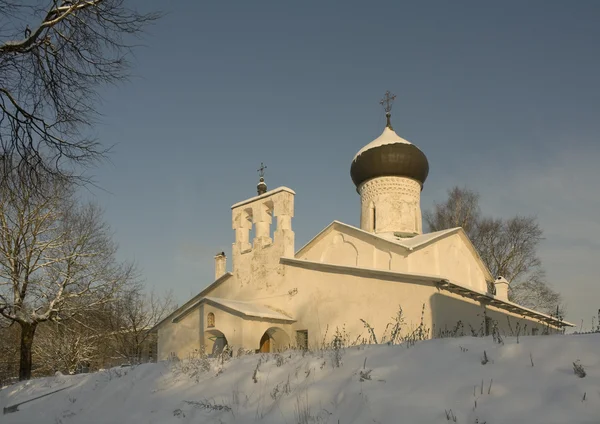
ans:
(389, 155)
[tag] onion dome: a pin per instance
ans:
(389, 155)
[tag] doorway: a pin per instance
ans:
(265, 343)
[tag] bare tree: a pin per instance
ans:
(461, 209)
(64, 346)
(57, 259)
(507, 247)
(132, 317)
(534, 293)
(50, 74)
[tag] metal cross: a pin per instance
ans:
(261, 170)
(387, 101)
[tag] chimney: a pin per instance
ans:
(220, 265)
(501, 288)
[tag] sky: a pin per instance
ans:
(502, 97)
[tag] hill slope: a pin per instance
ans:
(399, 384)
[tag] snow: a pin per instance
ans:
(400, 384)
(388, 136)
(411, 243)
(260, 196)
(249, 309)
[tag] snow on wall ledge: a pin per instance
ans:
(416, 385)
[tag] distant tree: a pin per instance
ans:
(57, 259)
(132, 316)
(535, 294)
(53, 60)
(508, 247)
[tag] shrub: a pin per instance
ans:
(578, 369)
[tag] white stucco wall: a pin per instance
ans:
(180, 338)
(449, 257)
(242, 332)
(391, 204)
(336, 300)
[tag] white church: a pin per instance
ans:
(277, 297)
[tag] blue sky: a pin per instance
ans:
(502, 97)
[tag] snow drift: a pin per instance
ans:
(463, 380)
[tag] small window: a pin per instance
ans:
(373, 216)
(210, 320)
(374, 219)
(302, 339)
(535, 331)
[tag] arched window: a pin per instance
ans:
(210, 320)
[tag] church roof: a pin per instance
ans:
(245, 308)
(260, 196)
(194, 300)
(409, 243)
(412, 243)
(249, 309)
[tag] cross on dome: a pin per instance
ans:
(261, 186)
(261, 170)
(387, 102)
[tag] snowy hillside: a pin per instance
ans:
(438, 381)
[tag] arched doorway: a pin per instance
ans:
(265, 343)
(214, 342)
(274, 340)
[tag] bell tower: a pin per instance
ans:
(253, 258)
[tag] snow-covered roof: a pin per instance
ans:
(501, 303)
(267, 194)
(190, 304)
(249, 309)
(388, 136)
(245, 308)
(412, 243)
(409, 243)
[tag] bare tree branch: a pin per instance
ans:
(461, 209)
(132, 316)
(50, 75)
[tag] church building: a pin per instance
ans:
(277, 297)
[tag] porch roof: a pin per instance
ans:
(245, 308)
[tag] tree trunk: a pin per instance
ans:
(27, 333)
